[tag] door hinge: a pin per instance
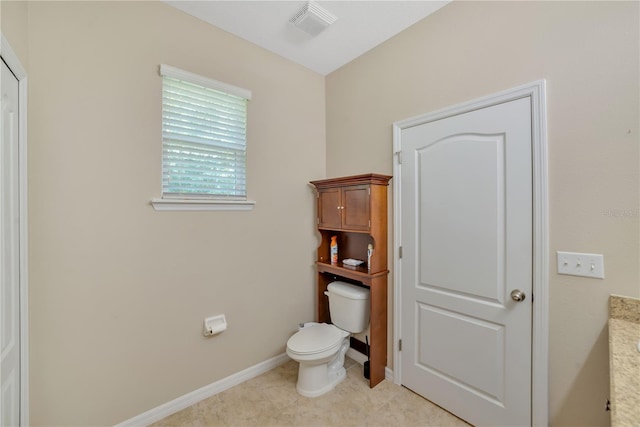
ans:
(399, 154)
(369, 223)
(369, 189)
(400, 252)
(400, 344)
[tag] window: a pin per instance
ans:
(204, 127)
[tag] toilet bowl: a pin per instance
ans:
(320, 348)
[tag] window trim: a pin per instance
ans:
(170, 204)
(199, 203)
(176, 73)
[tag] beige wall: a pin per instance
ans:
(118, 292)
(13, 25)
(588, 54)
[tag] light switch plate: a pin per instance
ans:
(579, 264)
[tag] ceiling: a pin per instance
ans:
(360, 26)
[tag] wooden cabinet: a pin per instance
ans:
(344, 208)
(354, 209)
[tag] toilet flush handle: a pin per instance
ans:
(326, 293)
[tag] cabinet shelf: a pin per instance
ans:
(360, 273)
(341, 230)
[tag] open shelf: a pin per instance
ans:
(360, 273)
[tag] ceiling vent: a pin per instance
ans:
(312, 19)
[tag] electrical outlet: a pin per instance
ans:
(579, 264)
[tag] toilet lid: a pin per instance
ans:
(315, 339)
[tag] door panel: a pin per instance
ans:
(472, 206)
(485, 376)
(467, 243)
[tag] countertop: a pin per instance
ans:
(624, 361)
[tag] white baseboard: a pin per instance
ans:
(361, 358)
(182, 402)
(357, 356)
(388, 374)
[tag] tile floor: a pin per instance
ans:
(271, 400)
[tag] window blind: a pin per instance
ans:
(203, 137)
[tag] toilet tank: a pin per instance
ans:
(348, 306)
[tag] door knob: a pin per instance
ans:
(517, 295)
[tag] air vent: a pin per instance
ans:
(312, 18)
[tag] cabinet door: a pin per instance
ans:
(355, 207)
(329, 208)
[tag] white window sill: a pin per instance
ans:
(201, 205)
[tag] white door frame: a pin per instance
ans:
(536, 91)
(11, 59)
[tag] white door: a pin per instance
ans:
(9, 253)
(466, 233)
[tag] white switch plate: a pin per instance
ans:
(577, 264)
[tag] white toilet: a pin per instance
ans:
(320, 348)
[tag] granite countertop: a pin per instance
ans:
(624, 361)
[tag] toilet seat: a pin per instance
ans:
(316, 339)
